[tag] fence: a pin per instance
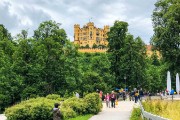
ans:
(149, 116)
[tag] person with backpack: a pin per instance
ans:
(56, 112)
(136, 96)
(113, 98)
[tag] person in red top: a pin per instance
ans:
(101, 94)
(113, 98)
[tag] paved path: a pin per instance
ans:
(121, 112)
(2, 117)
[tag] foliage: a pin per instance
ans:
(127, 56)
(94, 46)
(77, 105)
(155, 75)
(68, 113)
(33, 109)
(41, 108)
(167, 109)
(166, 38)
(93, 102)
(136, 114)
(54, 97)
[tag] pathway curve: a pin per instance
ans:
(121, 112)
(2, 117)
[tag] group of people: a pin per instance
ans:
(111, 98)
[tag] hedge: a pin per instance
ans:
(41, 108)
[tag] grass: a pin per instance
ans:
(136, 114)
(166, 109)
(83, 117)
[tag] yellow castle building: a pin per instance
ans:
(90, 35)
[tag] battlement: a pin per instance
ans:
(77, 25)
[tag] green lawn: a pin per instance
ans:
(84, 117)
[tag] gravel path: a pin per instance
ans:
(121, 112)
(2, 117)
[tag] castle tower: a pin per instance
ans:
(76, 33)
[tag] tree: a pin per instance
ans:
(166, 38)
(4, 34)
(127, 56)
(94, 46)
(22, 35)
(116, 39)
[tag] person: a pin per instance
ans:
(113, 98)
(172, 92)
(136, 96)
(124, 95)
(97, 91)
(107, 99)
(56, 112)
(141, 94)
(132, 95)
(101, 95)
(149, 93)
(161, 95)
(77, 94)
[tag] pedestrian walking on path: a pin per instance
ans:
(113, 98)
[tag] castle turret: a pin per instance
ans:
(76, 33)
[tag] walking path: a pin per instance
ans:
(121, 112)
(2, 117)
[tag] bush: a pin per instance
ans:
(78, 105)
(41, 108)
(68, 113)
(54, 97)
(136, 114)
(94, 103)
(33, 109)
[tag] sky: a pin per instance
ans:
(16, 15)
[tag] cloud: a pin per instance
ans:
(28, 14)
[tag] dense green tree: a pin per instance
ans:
(166, 39)
(127, 56)
(116, 39)
(4, 34)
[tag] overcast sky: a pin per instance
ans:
(27, 14)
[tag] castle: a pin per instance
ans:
(90, 35)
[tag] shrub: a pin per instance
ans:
(41, 108)
(94, 103)
(68, 112)
(33, 109)
(136, 114)
(54, 97)
(78, 105)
